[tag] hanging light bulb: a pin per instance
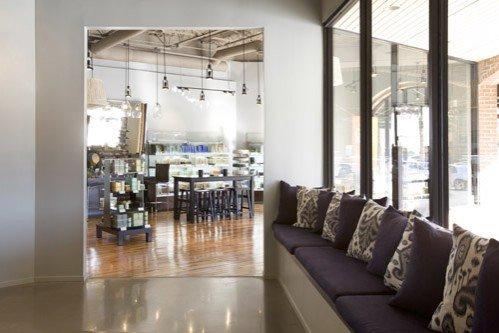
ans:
(202, 96)
(244, 90)
(137, 111)
(259, 100)
(209, 69)
(157, 112)
(126, 107)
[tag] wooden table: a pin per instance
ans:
(192, 180)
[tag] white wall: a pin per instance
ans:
(293, 113)
(17, 141)
(221, 113)
(250, 116)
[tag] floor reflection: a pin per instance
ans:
(224, 248)
(149, 305)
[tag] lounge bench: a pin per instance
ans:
(356, 300)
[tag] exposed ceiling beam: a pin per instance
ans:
(114, 39)
(234, 51)
(195, 38)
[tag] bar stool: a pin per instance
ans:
(246, 195)
(204, 205)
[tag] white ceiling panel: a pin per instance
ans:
(473, 25)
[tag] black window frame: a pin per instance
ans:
(438, 103)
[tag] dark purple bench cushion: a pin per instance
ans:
(293, 237)
(338, 274)
(371, 313)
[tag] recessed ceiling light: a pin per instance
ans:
(394, 7)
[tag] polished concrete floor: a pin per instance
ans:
(190, 305)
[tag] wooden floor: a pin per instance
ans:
(223, 248)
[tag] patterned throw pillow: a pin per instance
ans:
(331, 221)
(362, 244)
(455, 312)
(307, 209)
(397, 267)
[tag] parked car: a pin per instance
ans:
(458, 176)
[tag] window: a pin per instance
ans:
(412, 158)
(473, 71)
(346, 98)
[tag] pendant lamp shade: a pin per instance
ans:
(96, 94)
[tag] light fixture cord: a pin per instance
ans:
(244, 57)
(209, 46)
(164, 55)
(202, 65)
(157, 73)
(128, 63)
(258, 75)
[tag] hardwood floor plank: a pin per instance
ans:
(222, 248)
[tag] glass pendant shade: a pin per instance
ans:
(244, 89)
(126, 107)
(166, 84)
(202, 97)
(157, 111)
(259, 99)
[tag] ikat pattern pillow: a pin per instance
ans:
(362, 244)
(455, 312)
(307, 208)
(397, 267)
(331, 221)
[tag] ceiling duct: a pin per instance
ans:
(173, 60)
(114, 39)
(231, 52)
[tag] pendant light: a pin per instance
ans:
(202, 97)
(157, 113)
(209, 69)
(259, 97)
(166, 84)
(126, 106)
(244, 90)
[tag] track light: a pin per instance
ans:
(259, 99)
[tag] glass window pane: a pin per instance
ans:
(400, 123)
(346, 98)
(473, 65)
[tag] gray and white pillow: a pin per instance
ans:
(397, 267)
(362, 244)
(455, 312)
(307, 209)
(330, 227)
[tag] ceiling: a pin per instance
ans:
(216, 45)
(473, 25)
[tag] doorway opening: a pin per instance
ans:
(175, 163)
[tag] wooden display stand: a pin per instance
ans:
(124, 183)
